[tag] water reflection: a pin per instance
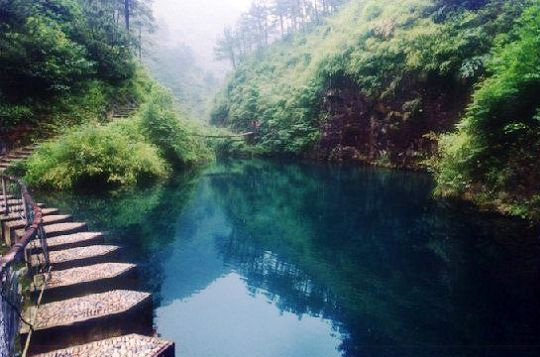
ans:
(227, 319)
(269, 259)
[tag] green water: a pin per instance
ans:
(260, 258)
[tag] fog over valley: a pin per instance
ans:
(197, 23)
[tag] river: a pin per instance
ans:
(264, 258)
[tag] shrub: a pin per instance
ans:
(495, 152)
(179, 140)
(113, 155)
(11, 115)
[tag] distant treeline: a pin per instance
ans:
(268, 20)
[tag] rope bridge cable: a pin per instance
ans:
(225, 136)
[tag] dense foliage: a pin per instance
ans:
(402, 71)
(179, 140)
(112, 155)
(121, 153)
(65, 65)
(378, 47)
(61, 61)
(494, 155)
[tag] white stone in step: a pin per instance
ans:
(17, 215)
(69, 240)
(16, 156)
(83, 309)
(13, 206)
(88, 274)
(75, 255)
(123, 346)
(47, 220)
(49, 211)
(58, 229)
(26, 149)
(13, 160)
(18, 206)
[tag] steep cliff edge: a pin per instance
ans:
(399, 132)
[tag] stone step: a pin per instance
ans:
(17, 227)
(17, 216)
(76, 282)
(16, 205)
(87, 319)
(16, 155)
(26, 150)
(13, 159)
(72, 311)
(60, 229)
(77, 257)
(11, 202)
(49, 211)
(47, 220)
(68, 241)
(123, 346)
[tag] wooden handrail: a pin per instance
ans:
(17, 250)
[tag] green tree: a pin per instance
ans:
(495, 152)
(226, 47)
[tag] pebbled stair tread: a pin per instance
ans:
(129, 345)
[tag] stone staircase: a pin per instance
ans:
(124, 111)
(16, 155)
(89, 307)
(125, 346)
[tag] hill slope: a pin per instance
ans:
(65, 65)
(379, 83)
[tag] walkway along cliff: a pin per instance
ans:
(65, 292)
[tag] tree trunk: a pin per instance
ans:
(140, 42)
(233, 59)
(126, 13)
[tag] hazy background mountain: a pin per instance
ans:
(197, 24)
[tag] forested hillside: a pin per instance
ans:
(62, 60)
(385, 82)
(66, 66)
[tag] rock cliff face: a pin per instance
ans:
(396, 132)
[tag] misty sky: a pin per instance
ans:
(197, 23)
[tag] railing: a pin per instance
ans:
(5, 144)
(17, 204)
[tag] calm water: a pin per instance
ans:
(257, 258)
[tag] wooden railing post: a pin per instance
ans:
(25, 208)
(4, 194)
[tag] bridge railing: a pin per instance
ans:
(17, 204)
